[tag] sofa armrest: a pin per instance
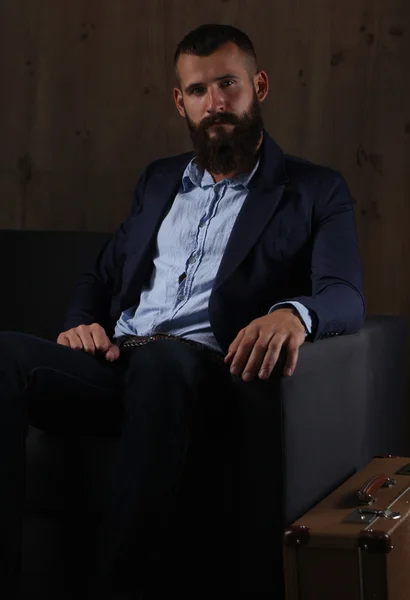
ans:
(345, 403)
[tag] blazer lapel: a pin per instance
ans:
(265, 193)
(162, 187)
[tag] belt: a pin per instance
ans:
(126, 342)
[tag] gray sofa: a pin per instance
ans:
(297, 438)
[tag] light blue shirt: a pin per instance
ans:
(190, 244)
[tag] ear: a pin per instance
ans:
(179, 103)
(261, 83)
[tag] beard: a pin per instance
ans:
(232, 150)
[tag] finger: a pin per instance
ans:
(113, 353)
(63, 339)
(74, 340)
(243, 351)
(271, 356)
(234, 346)
(292, 355)
(101, 340)
(256, 357)
(84, 334)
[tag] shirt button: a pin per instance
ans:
(202, 223)
(192, 260)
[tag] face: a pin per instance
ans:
(220, 100)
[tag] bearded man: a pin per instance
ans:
(232, 256)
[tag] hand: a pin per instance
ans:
(256, 348)
(91, 339)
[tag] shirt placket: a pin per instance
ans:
(194, 260)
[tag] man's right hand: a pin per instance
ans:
(90, 338)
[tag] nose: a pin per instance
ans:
(215, 100)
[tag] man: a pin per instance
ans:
(230, 255)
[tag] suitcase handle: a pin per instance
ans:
(365, 494)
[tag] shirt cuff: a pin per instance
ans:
(303, 313)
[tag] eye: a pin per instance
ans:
(227, 83)
(197, 91)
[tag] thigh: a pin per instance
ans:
(174, 380)
(64, 388)
(164, 363)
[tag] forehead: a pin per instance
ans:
(227, 59)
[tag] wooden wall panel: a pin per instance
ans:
(16, 85)
(86, 103)
(383, 187)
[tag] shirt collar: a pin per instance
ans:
(195, 176)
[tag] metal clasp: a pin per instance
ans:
(367, 516)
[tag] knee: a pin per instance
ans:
(12, 364)
(15, 345)
(10, 341)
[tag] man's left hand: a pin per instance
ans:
(256, 348)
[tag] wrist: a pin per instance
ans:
(292, 310)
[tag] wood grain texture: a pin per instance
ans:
(86, 104)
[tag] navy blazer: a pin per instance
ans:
(294, 239)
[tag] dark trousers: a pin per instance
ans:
(164, 400)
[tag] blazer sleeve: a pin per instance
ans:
(92, 298)
(337, 304)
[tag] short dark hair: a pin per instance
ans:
(206, 39)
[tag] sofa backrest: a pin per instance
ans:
(39, 270)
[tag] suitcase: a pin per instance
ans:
(355, 544)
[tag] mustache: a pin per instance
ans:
(219, 119)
